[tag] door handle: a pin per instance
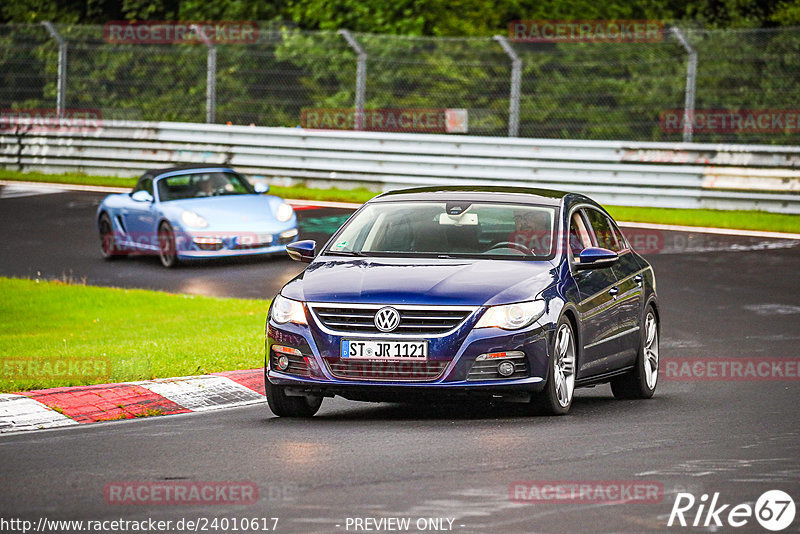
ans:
(614, 291)
(638, 279)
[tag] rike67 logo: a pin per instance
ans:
(774, 510)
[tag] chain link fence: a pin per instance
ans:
(586, 90)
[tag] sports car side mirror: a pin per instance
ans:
(261, 188)
(302, 250)
(596, 258)
(142, 196)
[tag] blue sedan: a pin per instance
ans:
(195, 212)
(495, 293)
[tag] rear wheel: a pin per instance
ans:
(556, 397)
(108, 242)
(284, 405)
(641, 382)
(167, 252)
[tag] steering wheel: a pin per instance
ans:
(510, 244)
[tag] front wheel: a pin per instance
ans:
(167, 251)
(284, 405)
(641, 382)
(556, 397)
(108, 242)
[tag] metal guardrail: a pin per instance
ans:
(679, 175)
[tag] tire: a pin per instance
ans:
(641, 382)
(167, 252)
(283, 405)
(556, 397)
(108, 242)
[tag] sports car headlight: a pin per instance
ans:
(512, 316)
(284, 212)
(192, 219)
(285, 310)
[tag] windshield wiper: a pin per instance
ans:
(345, 253)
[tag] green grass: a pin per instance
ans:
(136, 334)
(739, 219)
(744, 220)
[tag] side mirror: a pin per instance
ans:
(302, 251)
(261, 188)
(142, 196)
(596, 258)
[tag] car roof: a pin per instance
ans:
(152, 173)
(527, 195)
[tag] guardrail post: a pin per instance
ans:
(691, 80)
(61, 93)
(211, 75)
(516, 82)
(361, 77)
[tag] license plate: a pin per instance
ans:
(357, 349)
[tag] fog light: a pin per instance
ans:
(283, 363)
(505, 369)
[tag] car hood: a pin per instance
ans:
(224, 211)
(404, 281)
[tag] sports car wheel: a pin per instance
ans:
(556, 397)
(284, 405)
(108, 243)
(641, 382)
(166, 246)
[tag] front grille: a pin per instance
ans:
(414, 320)
(487, 369)
(397, 371)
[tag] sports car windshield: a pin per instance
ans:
(202, 184)
(448, 229)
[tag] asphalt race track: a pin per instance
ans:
(720, 296)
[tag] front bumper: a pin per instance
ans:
(219, 244)
(456, 352)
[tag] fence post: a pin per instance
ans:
(62, 68)
(211, 75)
(691, 80)
(516, 81)
(361, 77)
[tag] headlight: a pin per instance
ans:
(192, 219)
(512, 316)
(284, 212)
(285, 310)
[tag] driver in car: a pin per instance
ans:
(532, 230)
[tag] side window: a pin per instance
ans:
(579, 237)
(145, 184)
(603, 230)
(623, 244)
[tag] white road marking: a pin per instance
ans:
(15, 191)
(203, 392)
(18, 412)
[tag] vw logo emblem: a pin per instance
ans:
(387, 319)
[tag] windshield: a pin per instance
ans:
(448, 229)
(202, 184)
